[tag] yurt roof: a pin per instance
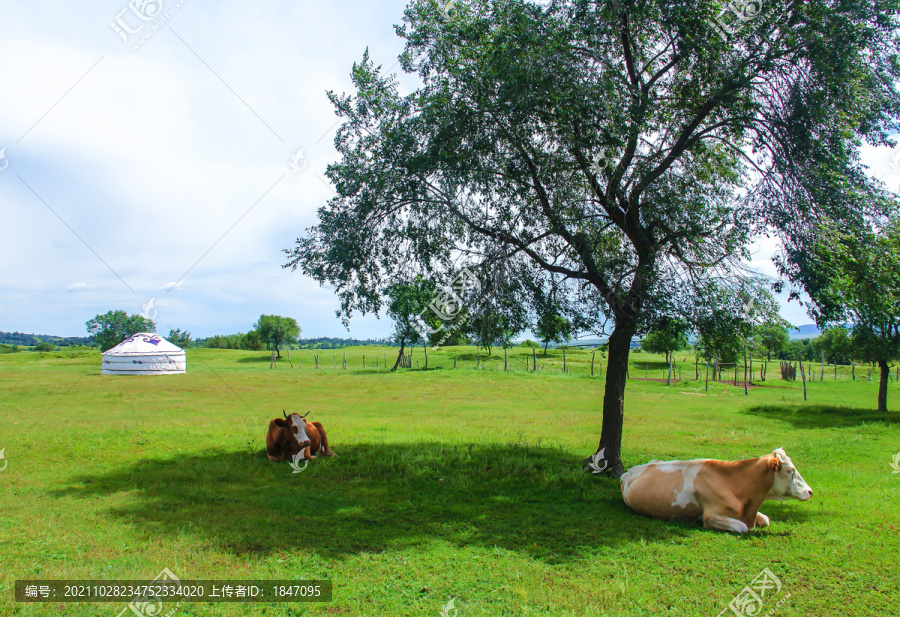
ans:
(144, 344)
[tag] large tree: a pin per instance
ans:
(856, 278)
(773, 338)
(551, 327)
(115, 326)
(628, 146)
(413, 321)
(667, 335)
(723, 336)
(277, 330)
(182, 339)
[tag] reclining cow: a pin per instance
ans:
(725, 494)
(287, 437)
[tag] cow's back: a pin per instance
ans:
(663, 489)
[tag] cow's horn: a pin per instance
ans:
(284, 414)
(306, 414)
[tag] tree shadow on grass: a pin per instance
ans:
(823, 416)
(377, 497)
(267, 357)
(650, 365)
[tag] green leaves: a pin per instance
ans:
(115, 326)
(277, 330)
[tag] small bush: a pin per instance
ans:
(45, 347)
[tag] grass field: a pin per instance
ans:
(459, 484)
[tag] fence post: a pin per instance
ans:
(504, 359)
(803, 378)
(746, 391)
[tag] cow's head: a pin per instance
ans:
(296, 427)
(789, 484)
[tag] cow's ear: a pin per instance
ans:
(775, 464)
(279, 422)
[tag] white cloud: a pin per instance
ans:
(151, 168)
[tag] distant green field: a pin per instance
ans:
(451, 484)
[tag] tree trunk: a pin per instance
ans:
(614, 401)
(547, 342)
(425, 347)
(399, 355)
(883, 386)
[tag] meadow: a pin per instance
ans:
(452, 483)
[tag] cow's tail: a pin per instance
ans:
(325, 447)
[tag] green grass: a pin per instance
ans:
(457, 483)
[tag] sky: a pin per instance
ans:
(159, 156)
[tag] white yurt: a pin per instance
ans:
(144, 354)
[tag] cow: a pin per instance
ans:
(726, 495)
(288, 437)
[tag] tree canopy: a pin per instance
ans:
(115, 326)
(630, 148)
(182, 339)
(667, 335)
(855, 276)
(773, 338)
(277, 330)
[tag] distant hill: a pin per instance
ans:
(30, 340)
(807, 331)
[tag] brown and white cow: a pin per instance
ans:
(725, 494)
(294, 434)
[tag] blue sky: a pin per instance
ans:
(128, 171)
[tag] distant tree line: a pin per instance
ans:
(722, 338)
(326, 342)
(33, 340)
